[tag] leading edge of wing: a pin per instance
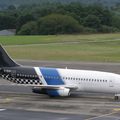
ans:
(50, 86)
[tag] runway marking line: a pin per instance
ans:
(116, 109)
(105, 115)
(6, 100)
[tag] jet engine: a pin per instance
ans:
(59, 92)
(38, 90)
(52, 92)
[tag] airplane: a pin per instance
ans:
(56, 81)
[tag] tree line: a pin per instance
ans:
(56, 18)
(5, 3)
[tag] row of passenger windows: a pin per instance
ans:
(65, 78)
(23, 75)
(85, 79)
(20, 75)
(56, 77)
(77, 79)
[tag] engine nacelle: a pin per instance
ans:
(60, 92)
(39, 90)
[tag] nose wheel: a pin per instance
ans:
(116, 97)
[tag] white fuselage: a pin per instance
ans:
(91, 81)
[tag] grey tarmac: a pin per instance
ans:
(18, 102)
(107, 67)
(31, 115)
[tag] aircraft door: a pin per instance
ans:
(111, 84)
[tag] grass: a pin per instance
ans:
(102, 48)
(23, 40)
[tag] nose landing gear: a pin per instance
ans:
(116, 97)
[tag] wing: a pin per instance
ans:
(71, 87)
(57, 87)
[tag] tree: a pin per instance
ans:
(29, 28)
(58, 24)
(7, 22)
(58, 18)
(11, 7)
(108, 29)
(23, 20)
(101, 12)
(116, 21)
(92, 21)
(106, 18)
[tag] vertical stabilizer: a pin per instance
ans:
(5, 60)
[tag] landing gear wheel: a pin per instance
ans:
(116, 97)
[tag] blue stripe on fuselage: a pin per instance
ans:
(51, 76)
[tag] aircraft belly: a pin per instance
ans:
(97, 88)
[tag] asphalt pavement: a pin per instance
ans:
(19, 103)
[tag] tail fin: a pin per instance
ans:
(5, 60)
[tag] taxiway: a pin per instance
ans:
(18, 102)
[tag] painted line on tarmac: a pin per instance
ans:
(116, 109)
(105, 115)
